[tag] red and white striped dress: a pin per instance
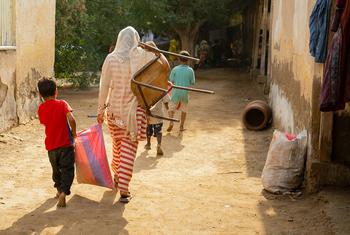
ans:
(116, 96)
(124, 149)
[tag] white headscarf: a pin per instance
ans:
(128, 39)
(126, 49)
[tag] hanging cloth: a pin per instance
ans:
(319, 24)
(345, 53)
(335, 90)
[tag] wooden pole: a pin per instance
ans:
(257, 36)
(264, 38)
(269, 60)
(326, 136)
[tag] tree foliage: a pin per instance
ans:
(71, 46)
(84, 32)
(182, 17)
(85, 29)
(105, 21)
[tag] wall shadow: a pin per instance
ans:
(256, 145)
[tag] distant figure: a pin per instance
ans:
(181, 75)
(196, 55)
(155, 125)
(60, 129)
(203, 53)
(236, 48)
(196, 50)
(172, 48)
(148, 36)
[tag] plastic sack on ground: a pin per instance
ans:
(284, 166)
(91, 159)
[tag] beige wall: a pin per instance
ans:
(8, 116)
(295, 91)
(23, 66)
(295, 76)
(35, 41)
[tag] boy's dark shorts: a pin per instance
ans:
(62, 162)
(154, 129)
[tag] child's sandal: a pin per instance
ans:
(125, 198)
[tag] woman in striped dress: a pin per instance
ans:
(126, 120)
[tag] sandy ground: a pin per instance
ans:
(208, 181)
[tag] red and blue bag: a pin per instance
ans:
(91, 159)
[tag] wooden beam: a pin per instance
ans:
(257, 35)
(269, 27)
(326, 137)
(269, 60)
(264, 38)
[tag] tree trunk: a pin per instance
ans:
(188, 36)
(188, 42)
(187, 39)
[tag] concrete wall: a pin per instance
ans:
(32, 58)
(292, 69)
(295, 90)
(35, 41)
(295, 77)
(8, 115)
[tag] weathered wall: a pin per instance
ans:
(8, 116)
(293, 69)
(35, 41)
(295, 77)
(295, 88)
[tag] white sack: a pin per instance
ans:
(284, 167)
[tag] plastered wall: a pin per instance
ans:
(8, 115)
(295, 77)
(35, 41)
(32, 58)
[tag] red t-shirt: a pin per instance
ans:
(53, 115)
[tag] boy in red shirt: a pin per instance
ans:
(60, 129)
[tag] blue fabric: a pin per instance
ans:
(319, 21)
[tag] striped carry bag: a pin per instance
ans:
(91, 158)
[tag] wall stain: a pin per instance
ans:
(316, 115)
(28, 87)
(282, 75)
(3, 92)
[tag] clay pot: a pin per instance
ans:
(257, 115)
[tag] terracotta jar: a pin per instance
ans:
(257, 115)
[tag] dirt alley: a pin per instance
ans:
(208, 181)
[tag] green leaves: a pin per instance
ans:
(86, 28)
(176, 13)
(84, 31)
